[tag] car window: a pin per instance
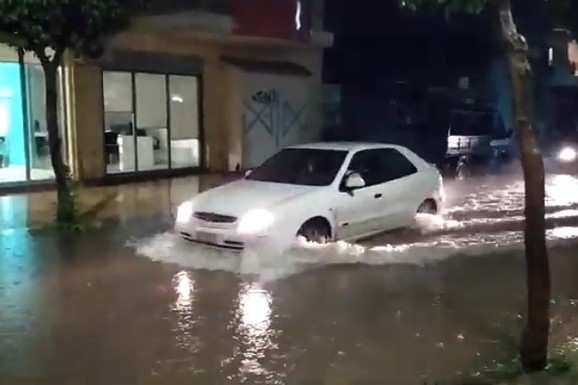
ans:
(381, 165)
(301, 166)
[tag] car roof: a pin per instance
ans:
(347, 146)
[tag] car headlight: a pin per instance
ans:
(255, 221)
(568, 154)
(184, 212)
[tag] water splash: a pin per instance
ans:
(302, 256)
(482, 217)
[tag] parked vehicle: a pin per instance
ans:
(475, 139)
(321, 192)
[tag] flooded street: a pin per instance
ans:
(133, 303)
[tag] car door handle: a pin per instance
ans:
(377, 196)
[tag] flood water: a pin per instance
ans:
(135, 304)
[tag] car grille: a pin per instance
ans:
(214, 218)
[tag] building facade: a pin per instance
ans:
(194, 86)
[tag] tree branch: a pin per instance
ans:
(510, 33)
(45, 60)
(41, 55)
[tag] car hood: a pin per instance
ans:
(236, 198)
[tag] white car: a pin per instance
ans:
(320, 191)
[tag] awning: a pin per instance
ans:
(267, 66)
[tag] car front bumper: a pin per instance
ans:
(228, 238)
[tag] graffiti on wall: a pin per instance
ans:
(265, 97)
(268, 110)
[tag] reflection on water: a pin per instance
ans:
(184, 289)
(564, 232)
(23, 301)
(121, 319)
(255, 320)
(255, 305)
(561, 190)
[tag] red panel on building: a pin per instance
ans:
(265, 18)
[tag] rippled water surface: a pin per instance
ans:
(135, 304)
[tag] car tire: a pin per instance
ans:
(428, 207)
(315, 230)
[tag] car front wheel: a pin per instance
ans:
(428, 206)
(315, 230)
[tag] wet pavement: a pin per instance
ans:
(132, 303)
(121, 203)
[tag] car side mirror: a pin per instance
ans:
(247, 172)
(354, 181)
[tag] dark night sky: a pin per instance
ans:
(376, 42)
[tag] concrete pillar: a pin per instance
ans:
(233, 116)
(85, 121)
(214, 115)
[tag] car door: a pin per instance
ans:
(399, 186)
(358, 212)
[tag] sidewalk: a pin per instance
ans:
(125, 201)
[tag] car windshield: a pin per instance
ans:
(471, 123)
(301, 166)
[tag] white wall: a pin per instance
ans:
(284, 120)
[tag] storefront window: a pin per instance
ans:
(118, 122)
(24, 152)
(184, 110)
(151, 114)
(12, 148)
(159, 133)
(41, 166)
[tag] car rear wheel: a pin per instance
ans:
(315, 230)
(428, 206)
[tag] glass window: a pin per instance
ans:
(40, 163)
(381, 166)
(301, 166)
(146, 131)
(12, 147)
(118, 122)
(184, 114)
(117, 91)
(16, 156)
(394, 164)
(151, 126)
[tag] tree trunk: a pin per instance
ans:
(534, 344)
(65, 212)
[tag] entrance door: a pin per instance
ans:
(360, 212)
